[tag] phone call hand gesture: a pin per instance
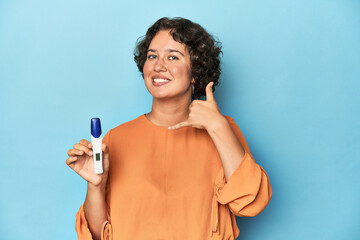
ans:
(202, 114)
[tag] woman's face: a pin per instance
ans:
(167, 69)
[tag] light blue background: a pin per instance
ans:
(291, 72)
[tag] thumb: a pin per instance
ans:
(209, 92)
(105, 157)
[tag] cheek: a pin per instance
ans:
(181, 71)
(146, 68)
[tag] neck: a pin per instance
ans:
(168, 112)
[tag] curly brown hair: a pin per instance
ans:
(204, 50)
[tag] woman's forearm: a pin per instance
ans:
(227, 144)
(95, 210)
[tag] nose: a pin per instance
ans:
(160, 65)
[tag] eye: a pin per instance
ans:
(151, 56)
(173, 58)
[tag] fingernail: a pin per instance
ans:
(90, 153)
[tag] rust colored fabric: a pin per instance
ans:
(170, 185)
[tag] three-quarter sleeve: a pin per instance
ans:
(81, 224)
(82, 228)
(248, 190)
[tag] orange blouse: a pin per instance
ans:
(170, 184)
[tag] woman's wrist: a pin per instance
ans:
(217, 124)
(100, 188)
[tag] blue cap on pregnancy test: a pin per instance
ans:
(95, 127)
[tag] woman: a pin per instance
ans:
(181, 171)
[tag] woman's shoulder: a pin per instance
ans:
(229, 119)
(129, 125)
(125, 132)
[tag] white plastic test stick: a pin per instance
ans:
(96, 140)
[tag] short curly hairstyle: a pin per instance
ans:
(205, 51)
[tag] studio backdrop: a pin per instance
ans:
(290, 79)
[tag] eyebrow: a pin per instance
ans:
(167, 50)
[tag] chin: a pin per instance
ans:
(160, 96)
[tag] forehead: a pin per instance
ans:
(164, 40)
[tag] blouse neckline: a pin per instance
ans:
(158, 126)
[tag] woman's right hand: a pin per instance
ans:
(82, 162)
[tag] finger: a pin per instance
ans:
(75, 152)
(105, 148)
(105, 157)
(86, 143)
(83, 148)
(70, 160)
(209, 92)
(180, 125)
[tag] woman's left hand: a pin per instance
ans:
(202, 114)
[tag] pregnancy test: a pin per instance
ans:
(96, 140)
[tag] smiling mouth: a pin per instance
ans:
(157, 81)
(160, 80)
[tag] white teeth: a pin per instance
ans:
(161, 80)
